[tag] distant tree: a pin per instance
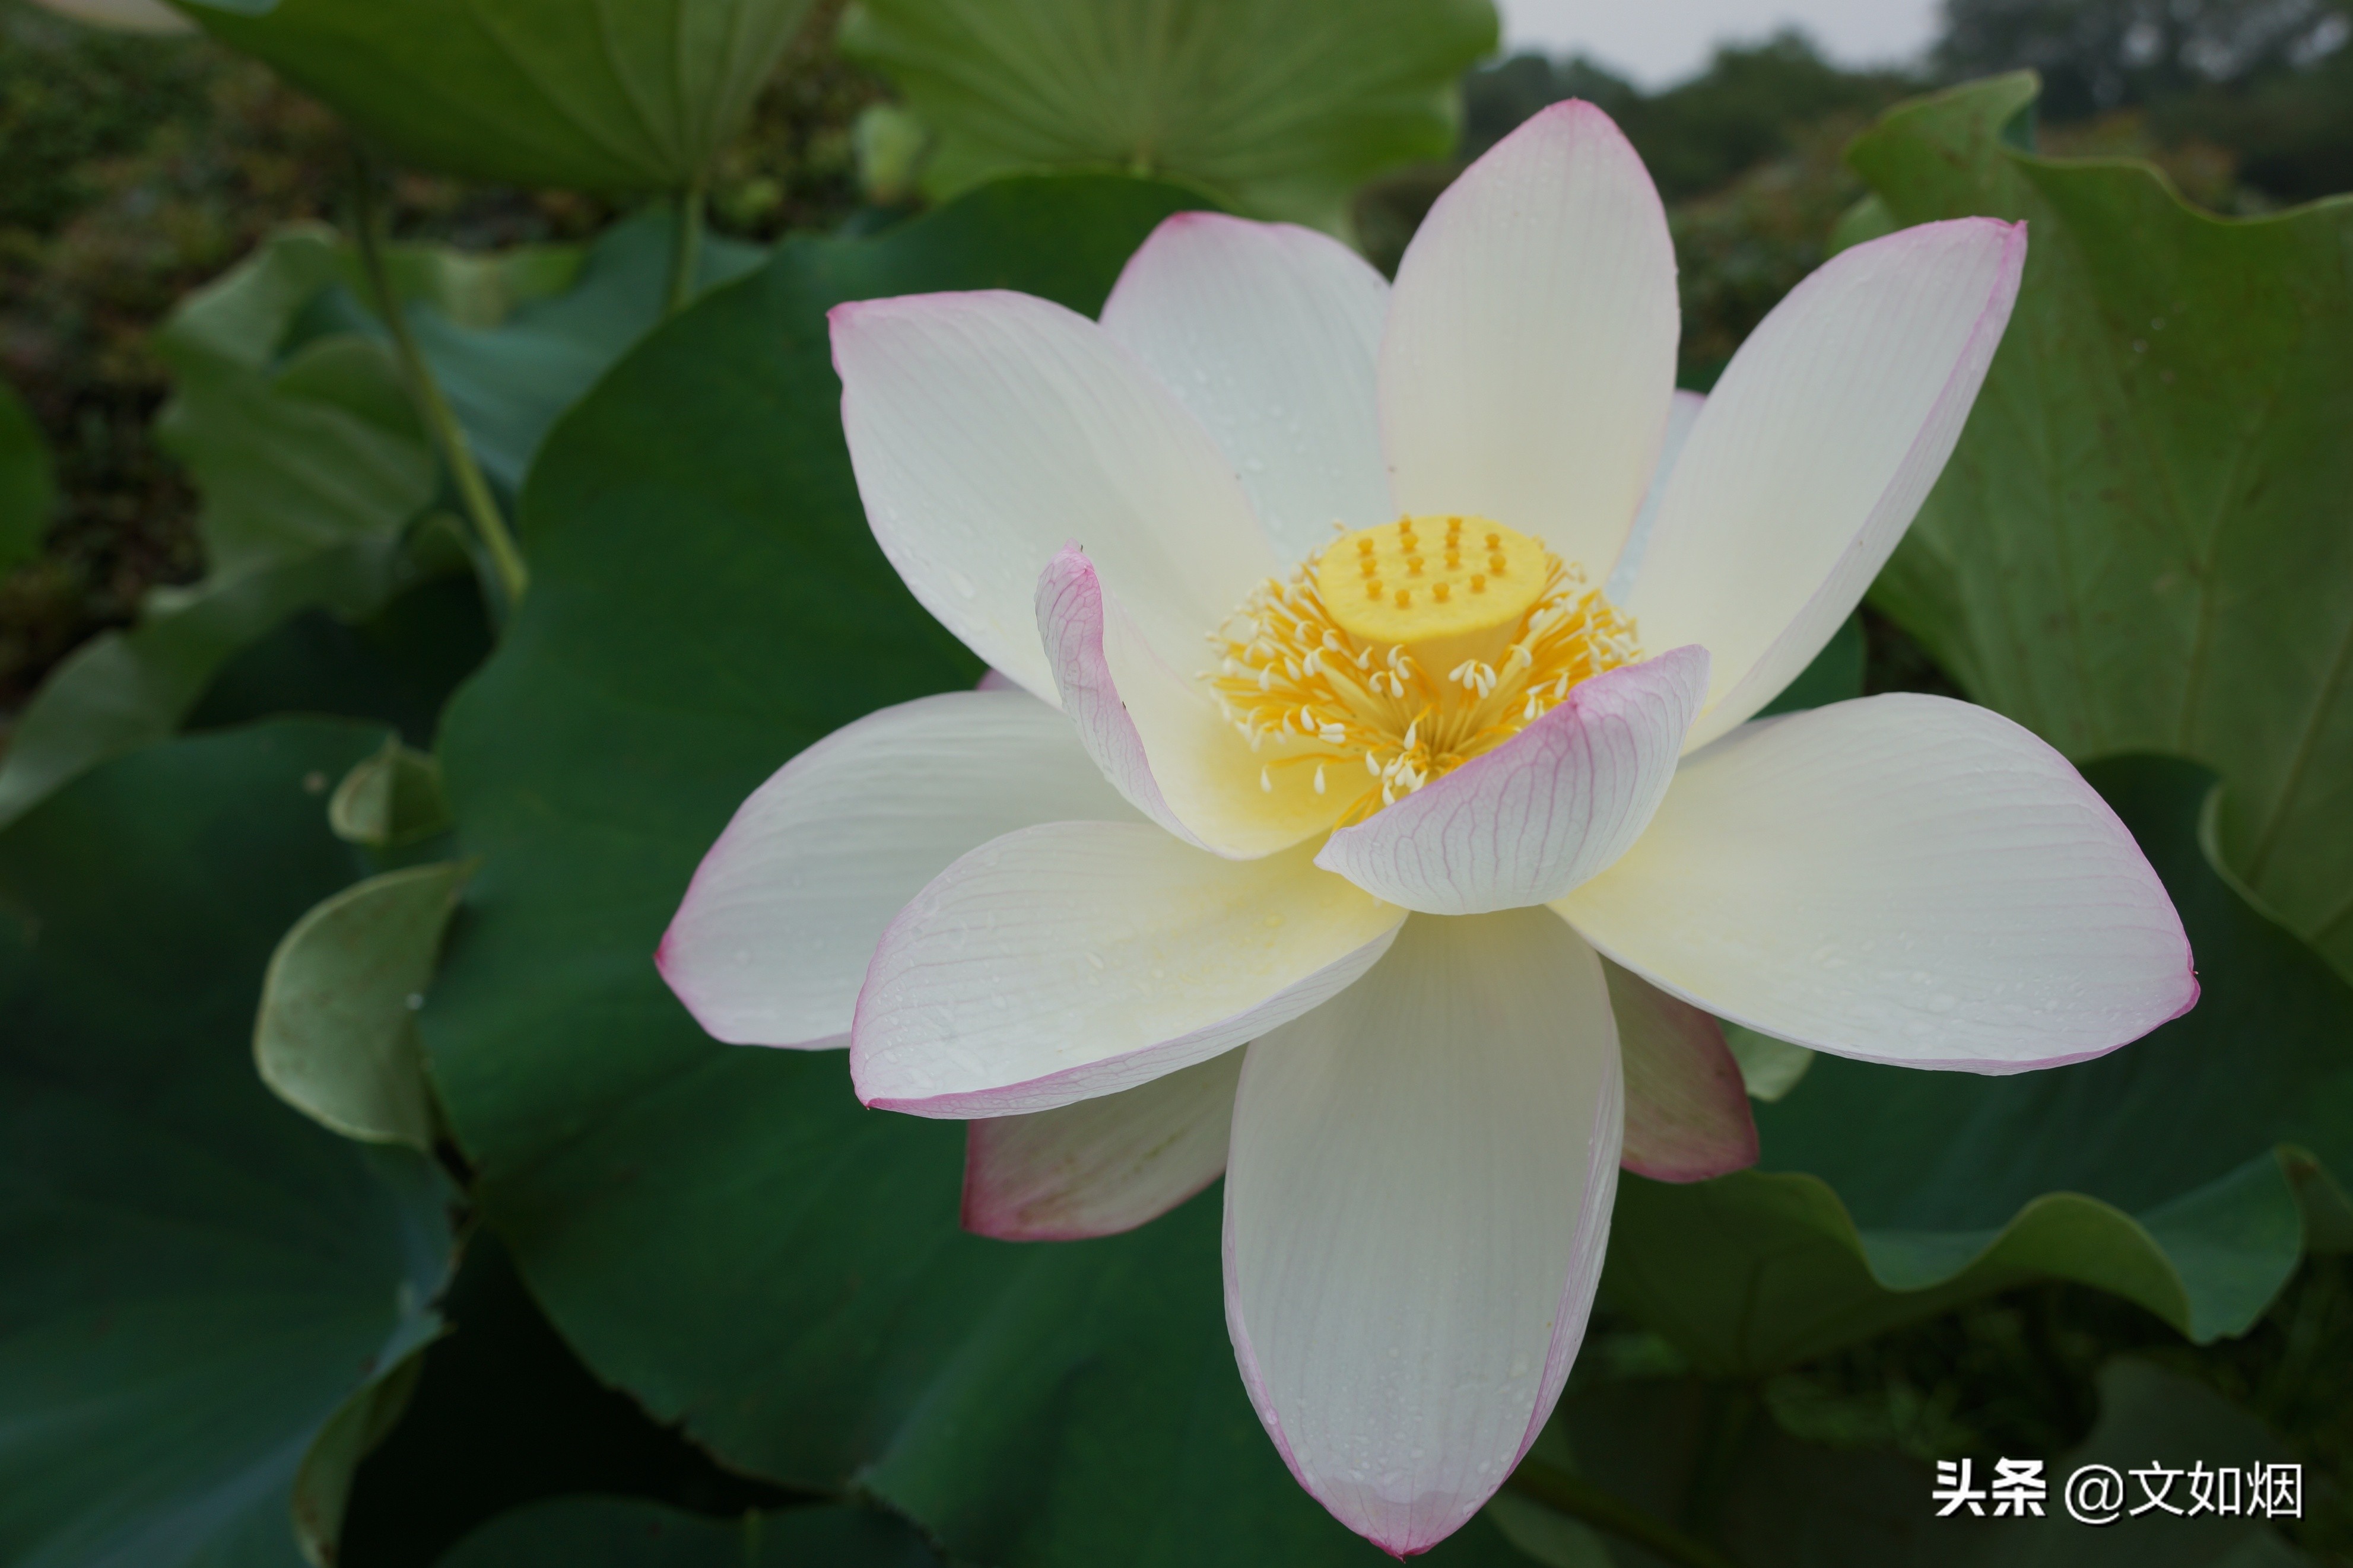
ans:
(2099, 55)
(1700, 134)
(2270, 81)
(1497, 98)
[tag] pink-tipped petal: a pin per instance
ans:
(1816, 449)
(771, 942)
(1075, 958)
(1687, 1114)
(1103, 1166)
(1267, 333)
(1416, 1201)
(1530, 343)
(987, 429)
(1071, 624)
(1539, 815)
(1157, 732)
(1903, 879)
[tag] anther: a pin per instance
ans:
(1478, 584)
(1413, 565)
(1495, 542)
(1443, 591)
(1495, 564)
(1364, 547)
(1372, 587)
(1404, 599)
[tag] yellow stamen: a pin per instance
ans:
(1412, 685)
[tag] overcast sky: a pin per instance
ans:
(1659, 41)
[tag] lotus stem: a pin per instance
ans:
(474, 490)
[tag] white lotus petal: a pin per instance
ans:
(1682, 413)
(1157, 734)
(1815, 451)
(990, 429)
(1903, 879)
(771, 942)
(1416, 1199)
(1103, 1166)
(1075, 958)
(1530, 343)
(1540, 814)
(1267, 333)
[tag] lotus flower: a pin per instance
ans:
(1352, 822)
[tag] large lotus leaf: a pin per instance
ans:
(291, 415)
(1678, 1451)
(299, 440)
(504, 1415)
(28, 489)
(587, 94)
(631, 1532)
(124, 690)
(198, 1278)
(2151, 1418)
(335, 1036)
(1283, 106)
(1666, 1446)
(2141, 543)
(2178, 1172)
(724, 1232)
(508, 380)
(395, 667)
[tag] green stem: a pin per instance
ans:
(474, 490)
(1566, 1492)
(686, 250)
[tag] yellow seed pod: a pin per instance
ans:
(1424, 577)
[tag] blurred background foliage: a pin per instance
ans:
(138, 170)
(139, 167)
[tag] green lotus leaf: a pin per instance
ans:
(2140, 543)
(1676, 1449)
(198, 1277)
(320, 485)
(298, 439)
(2185, 1171)
(573, 93)
(504, 1415)
(391, 799)
(1283, 107)
(322, 1483)
(336, 1037)
(124, 690)
(628, 1532)
(723, 1232)
(2151, 1417)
